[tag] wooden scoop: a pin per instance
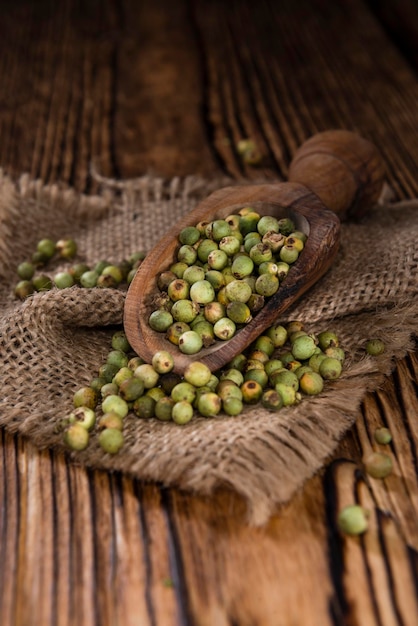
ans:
(333, 175)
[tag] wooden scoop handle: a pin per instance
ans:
(350, 181)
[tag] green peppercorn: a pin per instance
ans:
(25, 270)
(84, 416)
(294, 241)
(63, 280)
(286, 226)
(111, 420)
(352, 520)
(76, 437)
(233, 221)
(108, 371)
(230, 245)
(183, 391)
(175, 331)
(190, 342)
(156, 393)
(252, 391)
(255, 302)
(228, 389)
(303, 347)
(182, 412)
(216, 279)
(232, 406)
(205, 332)
(205, 248)
(267, 223)
(42, 282)
(267, 267)
(162, 362)
(238, 312)
(375, 347)
(378, 464)
(214, 311)
(66, 248)
(197, 374)
(259, 375)
(278, 334)
(311, 383)
(160, 320)
(178, 289)
(209, 404)
(248, 222)
(217, 259)
(271, 400)
(238, 291)
(275, 241)
(272, 365)
(164, 408)
(23, 289)
(300, 371)
(85, 396)
(178, 269)
(78, 270)
(89, 279)
(97, 383)
(224, 329)
(193, 274)
(282, 270)
(382, 435)
(47, 248)
(131, 389)
(186, 254)
(111, 440)
(238, 362)
(115, 404)
(289, 254)
(327, 339)
(202, 292)
(251, 239)
(120, 341)
(267, 285)
(265, 344)
(316, 360)
(287, 393)
(330, 368)
(286, 378)
(260, 253)
(335, 353)
(185, 311)
(189, 235)
(109, 389)
(118, 358)
(144, 407)
(242, 266)
(147, 374)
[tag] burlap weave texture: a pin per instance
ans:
(54, 342)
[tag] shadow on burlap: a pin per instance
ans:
(54, 342)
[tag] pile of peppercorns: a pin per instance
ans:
(33, 277)
(281, 367)
(223, 273)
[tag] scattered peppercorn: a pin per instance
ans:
(375, 347)
(352, 520)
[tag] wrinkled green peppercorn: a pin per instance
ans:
(375, 347)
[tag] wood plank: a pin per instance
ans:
(170, 88)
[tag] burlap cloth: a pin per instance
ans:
(54, 342)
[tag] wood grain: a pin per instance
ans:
(170, 88)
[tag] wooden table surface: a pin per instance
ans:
(169, 88)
